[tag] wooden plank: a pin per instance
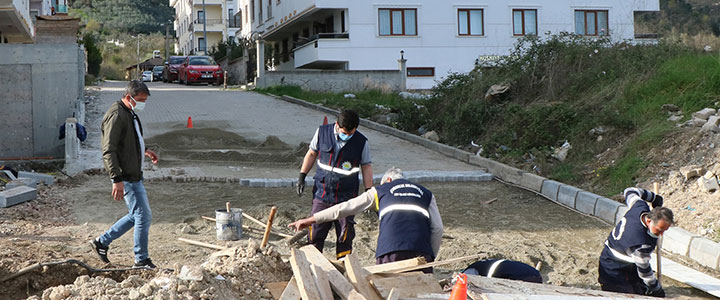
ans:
(322, 282)
(271, 218)
(691, 277)
(201, 244)
(479, 286)
(338, 282)
(277, 288)
(394, 295)
(438, 263)
(389, 267)
(303, 275)
(410, 286)
(291, 291)
(357, 276)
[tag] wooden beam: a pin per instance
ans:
(303, 275)
(201, 244)
(322, 282)
(438, 263)
(249, 217)
(389, 267)
(277, 288)
(291, 291)
(271, 218)
(479, 287)
(408, 286)
(357, 276)
(338, 282)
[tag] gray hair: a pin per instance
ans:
(392, 173)
(136, 87)
(662, 213)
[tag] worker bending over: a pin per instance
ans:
(625, 260)
(506, 269)
(410, 224)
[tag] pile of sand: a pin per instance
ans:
(234, 273)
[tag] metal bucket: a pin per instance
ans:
(228, 226)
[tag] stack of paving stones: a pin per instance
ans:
(23, 188)
(676, 240)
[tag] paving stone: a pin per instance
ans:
(567, 194)
(257, 182)
(585, 202)
(550, 189)
(677, 240)
(245, 182)
(29, 182)
(606, 209)
(44, 178)
(705, 251)
(17, 195)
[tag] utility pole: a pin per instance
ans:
(167, 47)
(205, 28)
(137, 69)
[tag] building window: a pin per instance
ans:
(252, 11)
(397, 21)
(421, 72)
(260, 6)
(201, 16)
(201, 44)
(524, 22)
(470, 22)
(591, 22)
(269, 10)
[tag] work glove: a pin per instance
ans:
(654, 199)
(655, 292)
(301, 184)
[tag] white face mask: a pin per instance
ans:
(139, 106)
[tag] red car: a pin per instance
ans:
(170, 72)
(200, 69)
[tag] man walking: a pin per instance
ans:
(410, 223)
(625, 260)
(342, 153)
(123, 150)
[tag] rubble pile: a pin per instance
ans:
(233, 273)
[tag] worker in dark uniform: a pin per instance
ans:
(342, 153)
(625, 260)
(410, 223)
(506, 269)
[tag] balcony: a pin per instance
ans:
(323, 51)
(15, 21)
(215, 25)
(234, 23)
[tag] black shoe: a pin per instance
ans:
(144, 264)
(100, 250)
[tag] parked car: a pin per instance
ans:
(200, 69)
(157, 73)
(170, 73)
(147, 76)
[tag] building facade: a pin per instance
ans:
(17, 18)
(436, 37)
(199, 29)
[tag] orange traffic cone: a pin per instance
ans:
(325, 121)
(189, 122)
(459, 290)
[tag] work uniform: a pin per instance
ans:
(410, 223)
(336, 181)
(503, 268)
(625, 260)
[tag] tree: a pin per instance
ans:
(94, 56)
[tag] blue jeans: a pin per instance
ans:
(139, 216)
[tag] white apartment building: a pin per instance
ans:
(17, 18)
(436, 37)
(195, 37)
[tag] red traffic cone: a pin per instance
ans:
(189, 122)
(325, 121)
(459, 290)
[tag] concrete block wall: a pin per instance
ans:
(677, 240)
(335, 81)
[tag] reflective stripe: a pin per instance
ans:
(337, 170)
(494, 266)
(618, 255)
(405, 207)
(377, 202)
(343, 254)
(407, 185)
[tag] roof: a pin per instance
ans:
(157, 61)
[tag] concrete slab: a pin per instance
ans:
(696, 279)
(677, 240)
(17, 195)
(532, 181)
(567, 194)
(606, 209)
(44, 178)
(550, 189)
(585, 202)
(705, 252)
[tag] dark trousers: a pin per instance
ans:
(344, 231)
(403, 255)
(625, 280)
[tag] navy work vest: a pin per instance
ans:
(628, 233)
(404, 218)
(336, 175)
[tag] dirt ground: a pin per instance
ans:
(519, 225)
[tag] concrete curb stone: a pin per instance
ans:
(532, 182)
(17, 195)
(567, 194)
(705, 252)
(678, 240)
(550, 189)
(585, 202)
(44, 178)
(606, 209)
